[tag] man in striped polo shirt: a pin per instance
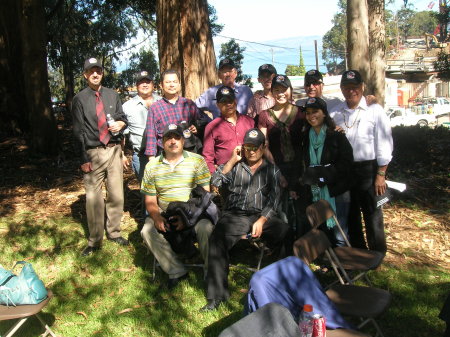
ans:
(171, 177)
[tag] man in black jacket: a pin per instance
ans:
(101, 155)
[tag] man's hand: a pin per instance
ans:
(86, 167)
(293, 195)
(159, 222)
(371, 99)
(125, 162)
(283, 181)
(380, 185)
(258, 226)
(236, 155)
(215, 189)
(339, 129)
(117, 126)
(193, 129)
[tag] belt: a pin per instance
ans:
(110, 144)
(364, 163)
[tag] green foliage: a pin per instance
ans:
(145, 59)
(235, 52)
(215, 27)
(296, 70)
(56, 84)
(334, 42)
(442, 65)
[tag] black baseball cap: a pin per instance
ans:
(143, 75)
(189, 138)
(266, 68)
(226, 62)
(92, 62)
(318, 103)
(313, 76)
(173, 128)
(225, 94)
(351, 77)
(255, 137)
(281, 80)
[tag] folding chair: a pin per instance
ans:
(363, 302)
(23, 312)
(352, 259)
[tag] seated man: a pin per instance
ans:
(171, 177)
(254, 192)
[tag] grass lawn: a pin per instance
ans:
(112, 293)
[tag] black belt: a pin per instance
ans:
(110, 144)
(364, 163)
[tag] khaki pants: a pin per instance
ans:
(167, 258)
(107, 167)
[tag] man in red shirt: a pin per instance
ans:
(223, 134)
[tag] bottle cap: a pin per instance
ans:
(308, 308)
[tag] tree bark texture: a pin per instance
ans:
(377, 49)
(185, 44)
(43, 132)
(25, 106)
(358, 37)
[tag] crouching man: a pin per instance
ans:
(167, 178)
(254, 194)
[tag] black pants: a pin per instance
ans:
(363, 199)
(228, 231)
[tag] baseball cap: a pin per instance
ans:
(225, 94)
(317, 102)
(143, 74)
(255, 137)
(351, 77)
(266, 68)
(92, 62)
(173, 128)
(282, 80)
(313, 76)
(226, 62)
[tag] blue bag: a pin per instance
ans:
(26, 288)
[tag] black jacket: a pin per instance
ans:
(336, 163)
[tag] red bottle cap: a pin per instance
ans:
(308, 308)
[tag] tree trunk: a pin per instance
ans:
(42, 130)
(358, 37)
(68, 76)
(377, 49)
(185, 44)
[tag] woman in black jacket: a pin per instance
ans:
(327, 161)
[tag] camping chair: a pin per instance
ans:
(23, 312)
(367, 303)
(352, 259)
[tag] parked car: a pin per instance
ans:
(408, 117)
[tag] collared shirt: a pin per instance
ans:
(162, 113)
(332, 102)
(221, 137)
(257, 193)
(207, 100)
(368, 130)
(258, 103)
(85, 121)
(174, 182)
(136, 113)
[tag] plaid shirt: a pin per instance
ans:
(162, 113)
(258, 103)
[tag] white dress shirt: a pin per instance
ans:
(368, 130)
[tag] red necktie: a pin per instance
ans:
(101, 119)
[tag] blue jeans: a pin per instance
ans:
(138, 163)
(342, 209)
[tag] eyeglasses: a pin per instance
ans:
(251, 148)
(315, 84)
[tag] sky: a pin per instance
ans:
(283, 23)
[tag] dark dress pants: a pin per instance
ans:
(228, 231)
(363, 199)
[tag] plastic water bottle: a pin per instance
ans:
(111, 122)
(305, 323)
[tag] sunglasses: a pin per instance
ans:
(251, 148)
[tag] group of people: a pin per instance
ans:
(255, 150)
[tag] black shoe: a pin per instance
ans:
(89, 250)
(173, 282)
(120, 241)
(211, 305)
